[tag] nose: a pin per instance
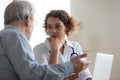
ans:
(53, 30)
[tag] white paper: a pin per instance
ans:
(102, 66)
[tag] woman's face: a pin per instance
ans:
(55, 28)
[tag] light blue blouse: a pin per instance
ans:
(17, 59)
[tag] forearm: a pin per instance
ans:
(59, 71)
(53, 57)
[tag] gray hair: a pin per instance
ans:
(18, 10)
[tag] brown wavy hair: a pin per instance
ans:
(68, 21)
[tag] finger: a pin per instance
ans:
(74, 76)
(82, 55)
(86, 64)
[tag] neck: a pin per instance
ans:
(20, 25)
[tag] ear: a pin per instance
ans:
(28, 20)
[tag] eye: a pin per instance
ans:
(58, 26)
(49, 27)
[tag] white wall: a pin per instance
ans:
(100, 29)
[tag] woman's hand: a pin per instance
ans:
(55, 45)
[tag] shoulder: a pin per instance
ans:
(43, 46)
(12, 33)
(76, 46)
(40, 51)
(10, 36)
(74, 43)
(7, 33)
(39, 46)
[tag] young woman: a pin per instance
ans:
(57, 49)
